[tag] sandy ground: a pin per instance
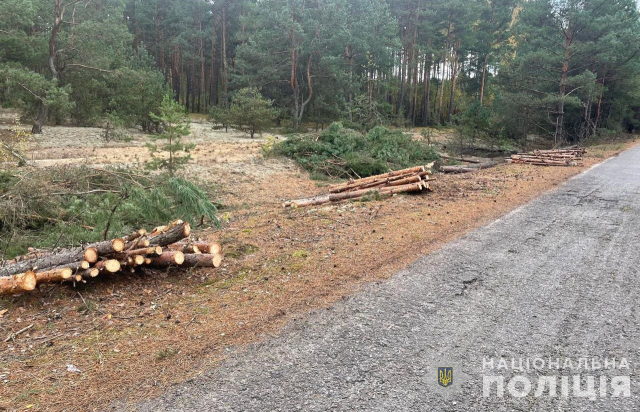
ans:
(131, 337)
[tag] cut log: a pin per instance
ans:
(110, 256)
(173, 235)
(158, 230)
(23, 282)
(209, 248)
(202, 260)
(91, 255)
(557, 157)
(460, 159)
(468, 168)
(64, 257)
(89, 273)
(110, 266)
(138, 243)
(55, 275)
(314, 201)
(170, 258)
(151, 250)
(185, 248)
(174, 224)
(355, 194)
(135, 235)
(391, 181)
(361, 183)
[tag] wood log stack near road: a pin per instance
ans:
(164, 247)
(414, 179)
(571, 156)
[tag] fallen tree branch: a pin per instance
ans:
(15, 334)
(14, 153)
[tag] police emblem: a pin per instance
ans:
(445, 376)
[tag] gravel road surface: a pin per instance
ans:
(554, 282)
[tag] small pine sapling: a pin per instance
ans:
(174, 125)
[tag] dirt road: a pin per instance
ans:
(556, 281)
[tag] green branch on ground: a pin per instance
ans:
(340, 152)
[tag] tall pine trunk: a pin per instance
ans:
(484, 76)
(43, 107)
(444, 67)
(559, 133)
(225, 73)
(427, 90)
(213, 81)
(454, 77)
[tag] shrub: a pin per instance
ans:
(341, 152)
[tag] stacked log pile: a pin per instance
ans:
(571, 156)
(415, 179)
(164, 247)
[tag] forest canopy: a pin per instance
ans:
(563, 69)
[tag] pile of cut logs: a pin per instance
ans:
(415, 179)
(571, 156)
(164, 247)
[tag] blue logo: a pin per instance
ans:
(445, 376)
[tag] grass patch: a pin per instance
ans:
(227, 283)
(167, 353)
(340, 152)
(238, 251)
(89, 306)
(301, 254)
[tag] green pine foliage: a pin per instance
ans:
(71, 205)
(172, 154)
(339, 152)
(562, 69)
(251, 112)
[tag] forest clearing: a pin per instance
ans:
(131, 336)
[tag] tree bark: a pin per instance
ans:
(467, 168)
(43, 108)
(202, 260)
(173, 235)
(23, 282)
(225, 78)
(454, 77)
(170, 258)
(444, 65)
(427, 89)
(563, 86)
(62, 258)
(175, 73)
(484, 74)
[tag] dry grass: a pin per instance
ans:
(142, 334)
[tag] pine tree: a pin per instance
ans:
(174, 125)
(251, 112)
